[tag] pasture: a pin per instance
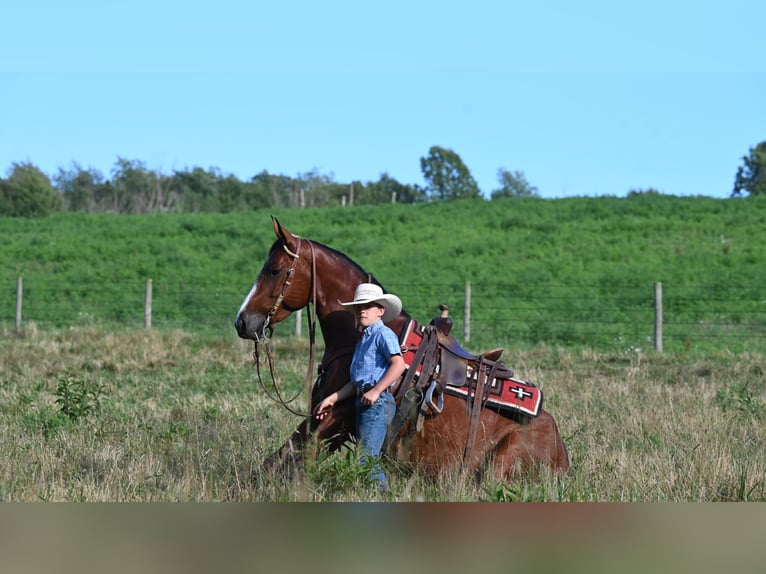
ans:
(90, 414)
(96, 408)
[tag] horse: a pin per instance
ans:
(300, 273)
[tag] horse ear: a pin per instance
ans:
(277, 227)
(282, 233)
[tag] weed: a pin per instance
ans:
(522, 492)
(740, 399)
(342, 471)
(76, 397)
(45, 422)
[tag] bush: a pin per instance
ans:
(28, 193)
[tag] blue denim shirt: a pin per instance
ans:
(373, 354)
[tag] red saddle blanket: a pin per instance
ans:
(503, 394)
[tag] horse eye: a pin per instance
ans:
(274, 272)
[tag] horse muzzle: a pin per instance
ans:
(251, 326)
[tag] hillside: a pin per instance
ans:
(576, 271)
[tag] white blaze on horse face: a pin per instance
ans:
(247, 300)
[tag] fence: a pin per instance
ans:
(644, 317)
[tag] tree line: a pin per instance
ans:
(133, 188)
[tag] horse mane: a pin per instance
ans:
(369, 277)
(279, 243)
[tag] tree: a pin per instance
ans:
(318, 190)
(386, 188)
(447, 176)
(197, 189)
(642, 192)
(28, 192)
(231, 193)
(276, 189)
(81, 189)
(513, 185)
(139, 190)
(752, 176)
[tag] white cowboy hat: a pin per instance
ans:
(371, 293)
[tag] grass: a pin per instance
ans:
(89, 414)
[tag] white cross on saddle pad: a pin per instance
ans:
(502, 394)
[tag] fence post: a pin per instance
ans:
(658, 317)
(298, 322)
(19, 299)
(467, 313)
(148, 305)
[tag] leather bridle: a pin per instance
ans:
(264, 339)
(288, 279)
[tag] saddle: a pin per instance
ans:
(443, 325)
(437, 365)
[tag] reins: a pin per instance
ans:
(266, 339)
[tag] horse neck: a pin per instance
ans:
(336, 280)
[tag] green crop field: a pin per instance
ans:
(576, 272)
(94, 407)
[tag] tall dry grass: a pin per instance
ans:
(94, 415)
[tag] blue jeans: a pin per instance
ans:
(371, 428)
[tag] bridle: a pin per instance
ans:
(268, 323)
(264, 339)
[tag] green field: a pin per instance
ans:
(575, 272)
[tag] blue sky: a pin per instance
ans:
(586, 98)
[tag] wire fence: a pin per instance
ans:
(484, 314)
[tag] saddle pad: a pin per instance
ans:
(410, 341)
(503, 394)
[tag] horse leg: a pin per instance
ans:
(332, 432)
(528, 448)
(288, 459)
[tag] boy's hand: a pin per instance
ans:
(370, 397)
(323, 408)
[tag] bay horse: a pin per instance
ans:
(301, 273)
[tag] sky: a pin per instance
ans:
(587, 98)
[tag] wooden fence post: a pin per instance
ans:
(467, 313)
(658, 317)
(148, 305)
(19, 299)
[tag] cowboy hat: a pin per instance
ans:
(371, 293)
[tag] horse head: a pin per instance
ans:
(282, 286)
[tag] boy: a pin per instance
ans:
(376, 365)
